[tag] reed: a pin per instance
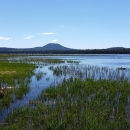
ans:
(90, 71)
(77, 104)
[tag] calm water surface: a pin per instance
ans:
(111, 60)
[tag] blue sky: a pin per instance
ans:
(79, 24)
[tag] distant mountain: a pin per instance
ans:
(116, 48)
(6, 49)
(50, 46)
(55, 48)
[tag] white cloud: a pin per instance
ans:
(47, 33)
(4, 38)
(55, 40)
(28, 37)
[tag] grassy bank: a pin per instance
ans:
(14, 80)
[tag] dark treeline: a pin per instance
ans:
(87, 51)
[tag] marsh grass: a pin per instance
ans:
(20, 91)
(15, 73)
(37, 60)
(76, 104)
(90, 98)
(14, 80)
(73, 61)
(39, 74)
(90, 71)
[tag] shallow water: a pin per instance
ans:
(110, 60)
(37, 85)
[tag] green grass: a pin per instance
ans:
(90, 71)
(76, 104)
(14, 80)
(37, 60)
(94, 98)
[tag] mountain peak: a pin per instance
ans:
(54, 46)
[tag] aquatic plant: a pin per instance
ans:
(88, 97)
(90, 71)
(39, 74)
(73, 61)
(14, 80)
(76, 104)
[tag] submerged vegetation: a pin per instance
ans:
(88, 97)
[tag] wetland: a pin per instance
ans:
(64, 92)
